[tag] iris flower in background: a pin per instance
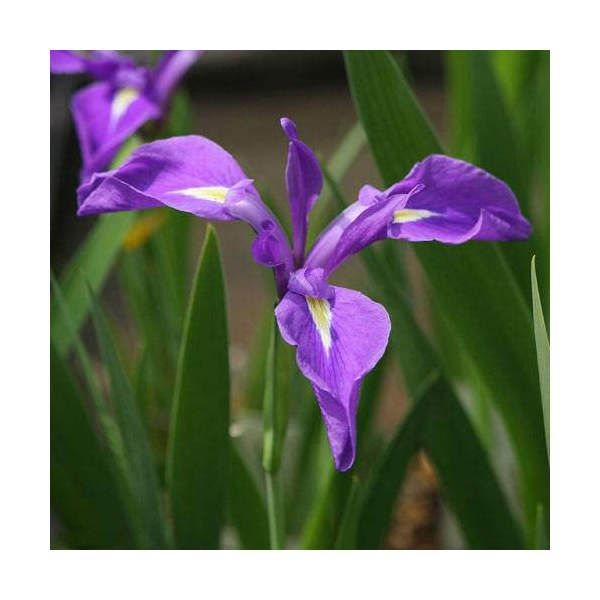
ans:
(125, 97)
(340, 334)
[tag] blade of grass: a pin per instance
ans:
(246, 505)
(92, 263)
(273, 443)
(85, 491)
(439, 425)
(199, 447)
(107, 422)
(140, 467)
(543, 352)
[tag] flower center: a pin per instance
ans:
(320, 311)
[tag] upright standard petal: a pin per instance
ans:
(104, 118)
(340, 337)
(458, 202)
(304, 182)
(170, 69)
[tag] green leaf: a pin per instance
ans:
(91, 264)
(473, 286)
(439, 425)
(246, 505)
(140, 468)
(198, 452)
(85, 489)
(273, 436)
(106, 420)
(543, 352)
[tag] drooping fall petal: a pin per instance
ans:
(339, 339)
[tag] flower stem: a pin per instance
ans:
(273, 434)
(275, 511)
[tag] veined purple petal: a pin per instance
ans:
(326, 244)
(104, 118)
(339, 340)
(441, 199)
(170, 69)
(191, 174)
(458, 202)
(304, 182)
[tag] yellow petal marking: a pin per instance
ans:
(409, 215)
(320, 311)
(122, 100)
(214, 194)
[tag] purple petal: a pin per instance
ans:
(458, 202)
(191, 174)
(105, 118)
(170, 69)
(441, 199)
(100, 64)
(327, 248)
(339, 340)
(304, 182)
(67, 61)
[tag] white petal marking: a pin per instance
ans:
(121, 102)
(214, 194)
(320, 311)
(409, 215)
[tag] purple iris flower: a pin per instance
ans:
(340, 334)
(124, 98)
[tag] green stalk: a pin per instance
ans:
(273, 433)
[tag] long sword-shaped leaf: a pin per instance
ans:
(140, 467)
(85, 492)
(475, 289)
(199, 446)
(92, 263)
(439, 425)
(543, 352)
(246, 505)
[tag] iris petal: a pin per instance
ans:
(304, 182)
(339, 340)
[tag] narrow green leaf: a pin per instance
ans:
(472, 284)
(246, 505)
(140, 468)
(85, 492)
(273, 434)
(198, 454)
(388, 475)
(346, 539)
(542, 537)
(91, 264)
(543, 352)
(469, 485)
(439, 425)
(106, 419)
